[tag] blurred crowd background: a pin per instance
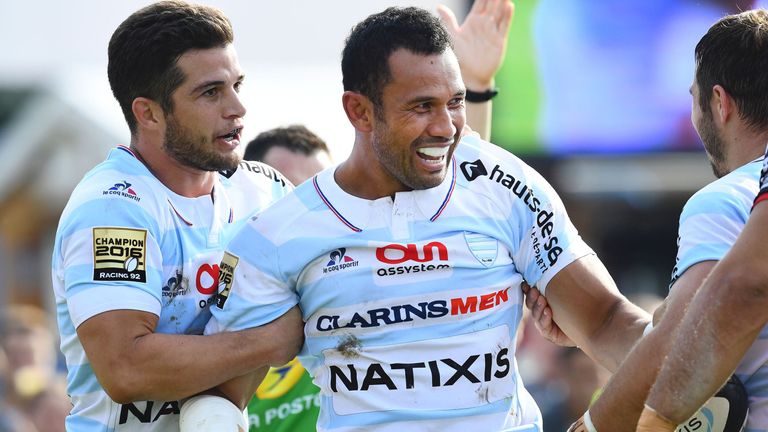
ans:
(593, 94)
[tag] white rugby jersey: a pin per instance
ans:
(125, 241)
(411, 304)
(709, 225)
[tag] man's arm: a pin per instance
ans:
(621, 402)
(480, 44)
(723, 320)
(133, 363)
(589, 308)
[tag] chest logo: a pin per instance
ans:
(339, 260)
(485, 249)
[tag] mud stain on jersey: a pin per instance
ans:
(349, 346)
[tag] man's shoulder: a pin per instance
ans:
(110, 190)
(488, 169)
(735, 190)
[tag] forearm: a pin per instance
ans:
(621, 402)
(479, 113)
(133, 363)
(171, 367)
(622, 327)
(240, 390)
(721, 324)
(589, 308)
(479, 118)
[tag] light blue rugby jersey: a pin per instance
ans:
(709, 225)
(411, 305)
(125, 241)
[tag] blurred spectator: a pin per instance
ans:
(294, 151)
(33, 389)
(579, 380)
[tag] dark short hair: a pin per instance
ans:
(734, 54)
(144, 49)
(296, 138)
(365, 59)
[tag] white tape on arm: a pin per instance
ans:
(208, 413)
(588, 422)
(648, 328)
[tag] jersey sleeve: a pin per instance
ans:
(252, 289)
(549, 241)
(710, 222)
(109, 258)
(541, 237)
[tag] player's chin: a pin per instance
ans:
(428, 180)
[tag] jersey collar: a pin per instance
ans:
(357, 213)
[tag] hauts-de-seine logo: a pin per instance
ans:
(123, 189)
(473, 170)
(339, 260)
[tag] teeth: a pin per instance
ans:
(230, 136)
(433, 151)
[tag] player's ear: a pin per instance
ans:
(148, 113)
(359, 110)
(723, 105)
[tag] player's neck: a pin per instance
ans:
(361, 177)
(745, 148)
(181, 179)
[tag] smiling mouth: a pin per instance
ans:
(433, 155)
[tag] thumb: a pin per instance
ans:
(448, 18)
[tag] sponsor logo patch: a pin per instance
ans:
(390, 314)
(124, 190)
(546, 243)
(265, 170)
(175, 286)
(485, 249)
(454, 372)
(119, 254)
(148, 412)
(226, 276)
(279, 381)
(473, 170)
(411, 258)
(339, 260)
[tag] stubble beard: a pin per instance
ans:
(196, 151)
(713, 144)
(398, 166)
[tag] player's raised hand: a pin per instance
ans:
(481, 40)
(541, 314)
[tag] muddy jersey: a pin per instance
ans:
(125, 241)
(710, 222)
(411, 302)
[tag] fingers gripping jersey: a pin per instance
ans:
(709, 225)
(125, 241)
(411, 304)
